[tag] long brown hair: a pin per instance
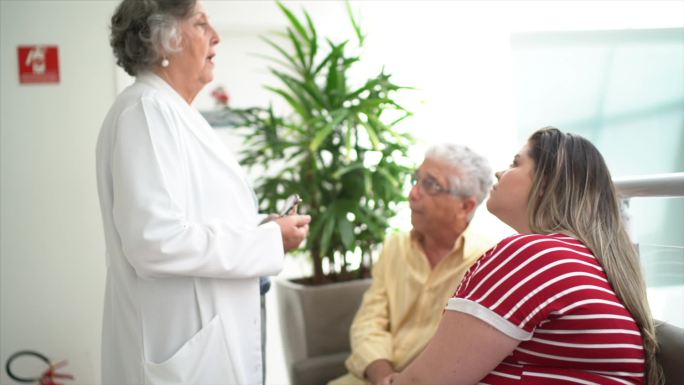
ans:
(573, 193)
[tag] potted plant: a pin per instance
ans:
(338, 148)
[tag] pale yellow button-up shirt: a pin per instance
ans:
(402, 308)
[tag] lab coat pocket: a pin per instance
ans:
(204, 359)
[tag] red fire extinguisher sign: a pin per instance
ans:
(38, 64)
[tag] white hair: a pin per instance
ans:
(475, 177)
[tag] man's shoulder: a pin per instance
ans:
(398, 243)
(398, 236)
(478, 240)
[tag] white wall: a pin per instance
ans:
(456, 53)
(52, 247)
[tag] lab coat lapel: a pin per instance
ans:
(200, 128)
(197, 125)
(205, 134)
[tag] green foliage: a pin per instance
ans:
(338, 148)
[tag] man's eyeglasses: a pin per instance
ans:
(429, 185)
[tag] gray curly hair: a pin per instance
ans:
(142, 30)
(476, 173)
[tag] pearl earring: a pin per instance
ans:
(165, 62)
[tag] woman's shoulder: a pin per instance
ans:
(540, 241)
(524, 246)
(138, 92)
(520, 257)
(140, 99)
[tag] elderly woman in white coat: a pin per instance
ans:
(185, 247)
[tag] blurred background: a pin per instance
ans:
(486, 74)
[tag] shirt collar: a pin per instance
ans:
(155, 81)
(460, 243)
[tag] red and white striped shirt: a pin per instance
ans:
(550, 292)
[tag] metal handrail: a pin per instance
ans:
(654, 185)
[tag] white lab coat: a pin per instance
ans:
(184, 248)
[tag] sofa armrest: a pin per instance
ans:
(671, 354)
(320, 369)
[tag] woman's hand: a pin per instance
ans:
(294, 229)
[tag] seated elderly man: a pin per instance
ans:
(418, 271)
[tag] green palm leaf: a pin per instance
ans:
(317, 148)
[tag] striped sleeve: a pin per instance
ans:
(517, 285)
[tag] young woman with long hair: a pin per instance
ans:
(563, 301)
